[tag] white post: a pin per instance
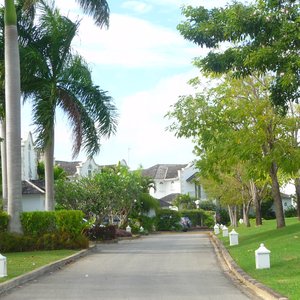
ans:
(225, 231)
(233, 238)
(216, 229)
(128, 229)
(3, 266)
(262, 257)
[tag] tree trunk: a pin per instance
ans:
(277, 197)
(13, 118)
(257, 203)
(246, 209)
(49, 173)
(297, 187)
(232, 210)
(3, 164)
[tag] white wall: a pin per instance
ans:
(29, 159)
(33, 202)
(87, 168)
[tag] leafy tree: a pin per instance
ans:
(184, 202)
(113, 192)
(234, 123)
(100, 12)
(63, 80)
(59, 172)
(263, 37)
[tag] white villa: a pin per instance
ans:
(172, 180)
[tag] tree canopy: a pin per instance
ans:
(259, 37)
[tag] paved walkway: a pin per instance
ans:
(161, 267)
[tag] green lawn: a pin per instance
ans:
(284, 244)
(19, 263)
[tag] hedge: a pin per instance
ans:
(4, 218)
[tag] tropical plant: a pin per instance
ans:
(100, 12)
(63, 80)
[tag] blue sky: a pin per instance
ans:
(144, 64)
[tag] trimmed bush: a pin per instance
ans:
(38, 223)
(4, 218)
(11, 242)
(70, 221)
(167, 219)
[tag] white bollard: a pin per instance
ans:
(262, 257)
(216, 229)
(225, 231)
(141, 229)
(233, 238)
(128, 229)
(221, 226)
(3, 266)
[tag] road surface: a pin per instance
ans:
(180, 266)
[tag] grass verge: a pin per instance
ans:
(19, 263)
(284, 244)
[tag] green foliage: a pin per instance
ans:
(4, 218)
(167, 219)
(11, 242)
(99, 233)
(148, 223)
(290, 212)
(207, 205)
(114, 192)
(59, 172)
(199, 217)
(38, 223)
(184, 202)
(266, 209)
(263, 37)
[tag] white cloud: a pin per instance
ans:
(137, 6)
(132, 42)
(142, 137)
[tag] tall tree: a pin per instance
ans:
(261, 37)
(13, 117)
(100, 12)
(233, 123)
(63, 80)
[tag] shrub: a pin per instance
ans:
(122, 233)
(167, 219)
(11, 242)
(290, 212)
(56, 241)
(207, 205)
(38, 223)
(98, 233)
(70, 222)
(4, 218)
(199, 217)
(148, 223)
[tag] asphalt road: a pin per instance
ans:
(159, 267)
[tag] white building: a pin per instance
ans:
(174, 179)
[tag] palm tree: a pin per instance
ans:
(63, 80)
(100, 12)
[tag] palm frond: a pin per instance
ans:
(98, 9)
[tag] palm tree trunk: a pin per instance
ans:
(277, 197)
(49, 173)
(3, 164)
(13, 118)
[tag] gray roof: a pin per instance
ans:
(163, 171)
(33, 187)
(68, 166)
(166, 201)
